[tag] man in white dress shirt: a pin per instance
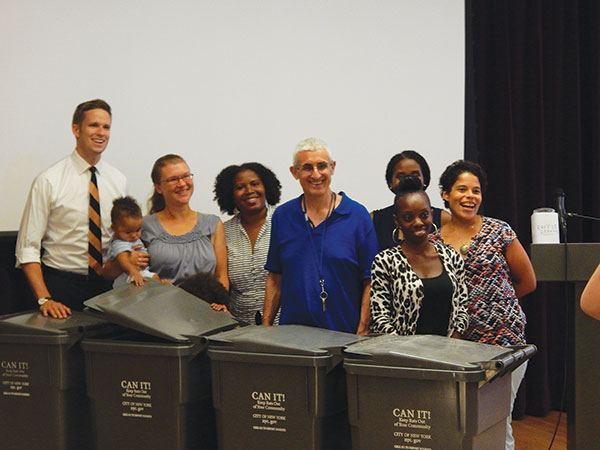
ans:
(52, 245)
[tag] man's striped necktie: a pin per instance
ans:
(95, 233)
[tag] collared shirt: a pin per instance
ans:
(55, 217)
(347, 243)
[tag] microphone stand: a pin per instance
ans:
(581, 216)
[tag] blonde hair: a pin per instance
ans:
(157, 201)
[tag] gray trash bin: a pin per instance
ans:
(43, 403)
(429, 392)
(280, 387)
(150, 388)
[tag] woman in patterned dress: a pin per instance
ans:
(417, 287)
(498, 270)
(248, 192)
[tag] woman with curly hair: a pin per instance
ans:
(498, 270)
(248, 192)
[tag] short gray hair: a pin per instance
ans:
(311, 145)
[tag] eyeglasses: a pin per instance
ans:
(309, 168)
(175, 180)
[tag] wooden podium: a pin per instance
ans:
(574, 264)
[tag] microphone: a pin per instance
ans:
(562, 212)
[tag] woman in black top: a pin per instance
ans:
(408, 162)
(417, 287)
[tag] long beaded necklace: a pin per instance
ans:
(319, 259)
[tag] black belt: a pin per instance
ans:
(71, 275)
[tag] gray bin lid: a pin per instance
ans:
(34, 323)
(432, 352)
(283, 340)
(160, 310)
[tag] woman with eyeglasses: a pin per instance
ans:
(181, 242)
(401, 164)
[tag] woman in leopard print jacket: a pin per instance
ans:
(417, 287)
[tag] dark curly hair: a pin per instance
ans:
(409, 184)
(223, 188)
(453, 171)
(408, 154)
(207, 288)
(124, 207)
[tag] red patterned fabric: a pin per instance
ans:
(495, 315)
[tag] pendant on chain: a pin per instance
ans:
(323, 295)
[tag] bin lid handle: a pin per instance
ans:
(509, 362)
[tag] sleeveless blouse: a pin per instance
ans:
(247, 275)
(176, 257)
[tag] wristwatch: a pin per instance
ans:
(43, 300)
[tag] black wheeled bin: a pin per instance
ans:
(429, 392)
(280, 387)
(43, 403)
(150, 387)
